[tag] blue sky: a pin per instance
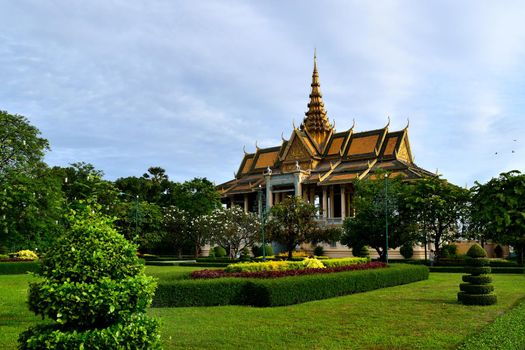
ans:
(184, 85)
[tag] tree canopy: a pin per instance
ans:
(498, 210)
(375, 203)
(292, 222)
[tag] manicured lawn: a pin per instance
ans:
(421, 315)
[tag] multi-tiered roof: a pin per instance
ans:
(328, 156)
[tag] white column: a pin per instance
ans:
(245, 202)
(331, 201)
(325, 202)
(343, 202)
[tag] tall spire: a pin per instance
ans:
(316, 122)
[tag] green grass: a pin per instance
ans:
(421, 315)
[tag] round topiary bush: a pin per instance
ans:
(94, 289)
(360, 251)
(407, 250)
(477, 289)
(220, 252)
(476, 251)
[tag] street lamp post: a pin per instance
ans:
(262, 217)
(386, 218)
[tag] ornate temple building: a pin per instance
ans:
(319, 164)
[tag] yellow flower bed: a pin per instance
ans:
(27, 254)
(275, 266)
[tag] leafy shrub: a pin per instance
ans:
(4, 256)
(95, 290)
(361, 252)
(477, 290)
(312, 264)
(407, 250)
(319, 250)
(345, 262)
(220, 252)
(295, 254)
(211, 253)
(257, 251)
(448, 251)
(26, 255)
(283, 291)
(245, 254)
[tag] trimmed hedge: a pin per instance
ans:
(459, 269)
(483, 279)
(506, 332)
(19, 267)
(476, 288)
(477, 270)
(282, 291)
(477, 299)
(203, 264)
(345, 262)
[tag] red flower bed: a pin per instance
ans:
(274, 274)
(16, 260)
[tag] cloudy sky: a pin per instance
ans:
(129, 84)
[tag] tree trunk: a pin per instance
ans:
(197, 250)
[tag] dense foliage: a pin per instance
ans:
(375, 203)
(291, 223)
(498, 210)
(233, 228)
(93, 288)
(440, 209)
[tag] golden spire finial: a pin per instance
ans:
(316, 122)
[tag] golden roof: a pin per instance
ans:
(326, 156)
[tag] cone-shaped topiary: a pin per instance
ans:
(477, 290)
(95, 290)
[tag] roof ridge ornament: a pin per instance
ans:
(244, 150)
(387, 124)
(268, 171)
(282, 137)
(353, 124)
(256, 146)
(408, 123)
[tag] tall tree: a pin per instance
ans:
(21, 146)
(292, 222)
(82, 181)
(197, 197)
(498, 210)
(377, 203)
(440, 209)
(30, 197)
(234, 228)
